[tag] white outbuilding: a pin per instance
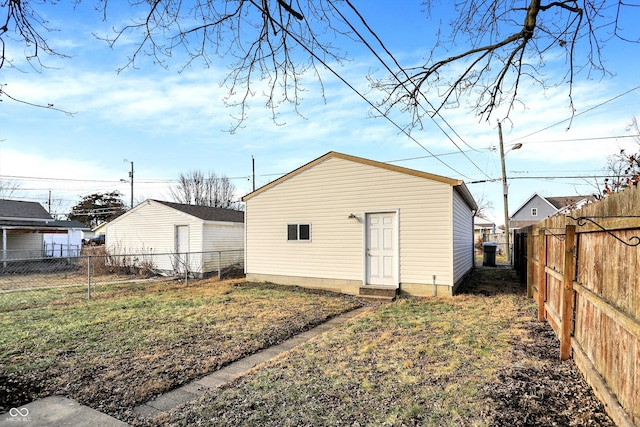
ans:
(345, 224)
(174, 236)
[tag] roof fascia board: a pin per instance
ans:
(15, 218)
(32, 227)
(462, 189)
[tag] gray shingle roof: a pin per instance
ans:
(207, 213)
(20, 209)
(564, 201)
(70, 224)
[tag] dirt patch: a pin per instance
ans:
(542, 390)
(538, 389)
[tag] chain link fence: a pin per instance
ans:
(30, 281)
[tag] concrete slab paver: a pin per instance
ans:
(57, 411)
(171, 399)
(195, 388)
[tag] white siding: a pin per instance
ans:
(22, 245)
(222, 236)
(150, 228)
(462, 238)
(324, 196)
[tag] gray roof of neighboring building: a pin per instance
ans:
(23, 210)
(564, 201)
(71, 224)
(207, 213)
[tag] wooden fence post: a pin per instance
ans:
(567, 293)
(530, 263)
(541, 277)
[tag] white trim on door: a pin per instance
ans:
(386, 249)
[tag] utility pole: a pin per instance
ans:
(253, 172)
(130, 180)
(505, 191)
(131, 176)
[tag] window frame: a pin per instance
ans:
(534, 211)
(298, 233)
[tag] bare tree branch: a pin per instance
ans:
(7, 188)
(260, 37)
(196, 188)
(4, 93)
(490, 71)
(274, 48)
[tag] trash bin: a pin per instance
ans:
(489, 254)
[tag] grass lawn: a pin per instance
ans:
(129, 343)
(478, 359)
(407, 363)
(470, 360)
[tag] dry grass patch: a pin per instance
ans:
(478, 359)
(132, 343)
(413, 362)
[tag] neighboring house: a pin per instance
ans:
(67, 244)
(187, 235)
(537, 208)
(95, 231)
(23, 226)
(342, 222)
(482, 229)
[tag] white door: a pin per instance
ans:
(381, 249)
(182, 248)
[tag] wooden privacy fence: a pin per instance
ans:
(583, 271)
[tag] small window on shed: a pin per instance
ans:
(297, 232)
(534, 211)
(305, 232)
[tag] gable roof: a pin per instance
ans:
(483, 222)
(564, 201)
(458, 184)
(533, 196)
(205, 212)
(17, 209)
(557, 203)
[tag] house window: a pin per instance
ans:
(299, 232)
(534, 211)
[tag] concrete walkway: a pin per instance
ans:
(57, 411)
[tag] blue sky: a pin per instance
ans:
(168, 122)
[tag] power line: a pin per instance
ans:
(101, 181)
(35, 178)
(356, 91)
(511, 178)
(437, 155)
(595, 138)
(579, 114)
(400, 82)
